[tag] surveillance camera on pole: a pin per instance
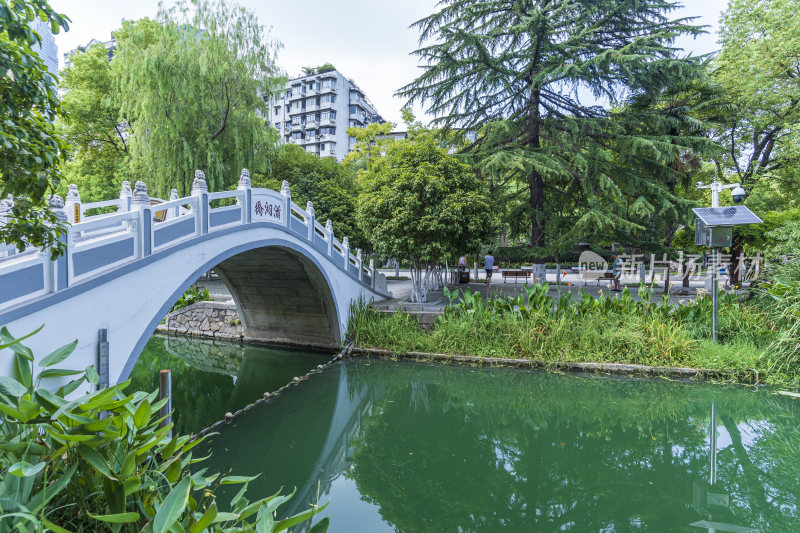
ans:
(714, 228)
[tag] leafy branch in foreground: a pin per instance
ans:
(108, 457)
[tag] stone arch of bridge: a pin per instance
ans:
(282, 293)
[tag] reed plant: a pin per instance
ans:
(646, 330)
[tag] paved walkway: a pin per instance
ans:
(401, 290)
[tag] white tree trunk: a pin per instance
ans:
(539, 273)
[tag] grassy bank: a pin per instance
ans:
(604, 330)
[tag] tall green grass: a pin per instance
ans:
(591, 330)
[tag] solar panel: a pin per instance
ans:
(734, 215)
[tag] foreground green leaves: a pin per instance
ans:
(107, 457)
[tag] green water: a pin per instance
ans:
(210, 378)
(412, 447)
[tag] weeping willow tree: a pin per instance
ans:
(193, 85)
(529, 77)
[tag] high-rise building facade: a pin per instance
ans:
(48, 51)
(315, 111)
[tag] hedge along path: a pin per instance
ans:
(229, 417)
(609, 368)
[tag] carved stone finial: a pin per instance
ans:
(329, 225)
(346, 242)
(125, 190)
(372, 264)
(140, 196)
(199, 184)
(310, 207)
(72, 193)
(55, 202)
(285, 189)
(244, 179)
(173, 195)
(358, 253)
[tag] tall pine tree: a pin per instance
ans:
(530, 77)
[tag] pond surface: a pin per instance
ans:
(210, 378)
(413, 447)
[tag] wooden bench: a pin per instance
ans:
(596, 275)
(516, 274)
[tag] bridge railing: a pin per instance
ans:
(141, 226)
(103, 243)
(170, 227)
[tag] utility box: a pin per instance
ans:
(713, 236)
(714, 225)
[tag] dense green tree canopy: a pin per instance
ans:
(323, 181)
(527, 74)
(420, 203)
(93, 126)
(192, 86)
(30, 150)
(759, 68)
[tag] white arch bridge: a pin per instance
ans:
(291, 279)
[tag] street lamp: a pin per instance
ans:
(714, 228)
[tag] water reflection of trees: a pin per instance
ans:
(210, 378)
(486, 450)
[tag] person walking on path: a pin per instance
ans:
(616, 272)
(462, 262)
(488, 265)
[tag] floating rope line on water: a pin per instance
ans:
(229, 417)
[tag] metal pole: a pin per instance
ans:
(165, 391)
(714, 294)
(712, 478)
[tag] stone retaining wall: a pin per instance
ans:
(218, 320)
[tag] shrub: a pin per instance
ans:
(106, 459)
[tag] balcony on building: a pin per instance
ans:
(311, 105)
(297, 126)
(326, 88)
(327, 121)
(311, 123)
(298, 92)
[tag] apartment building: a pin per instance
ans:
(47, 50)
(316, 110)
(110, 46)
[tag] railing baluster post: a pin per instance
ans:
(287, 208)
(125, 197)
(57, 272)
(244, 186)
(72, 205)
(200, 190)
(310, 219)
(360, 264)
(346, 253)
(173, 212)
(141, 203)
(372, 273)
(329, 230)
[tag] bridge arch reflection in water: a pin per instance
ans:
(411, 447)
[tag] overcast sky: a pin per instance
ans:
(367, 40)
